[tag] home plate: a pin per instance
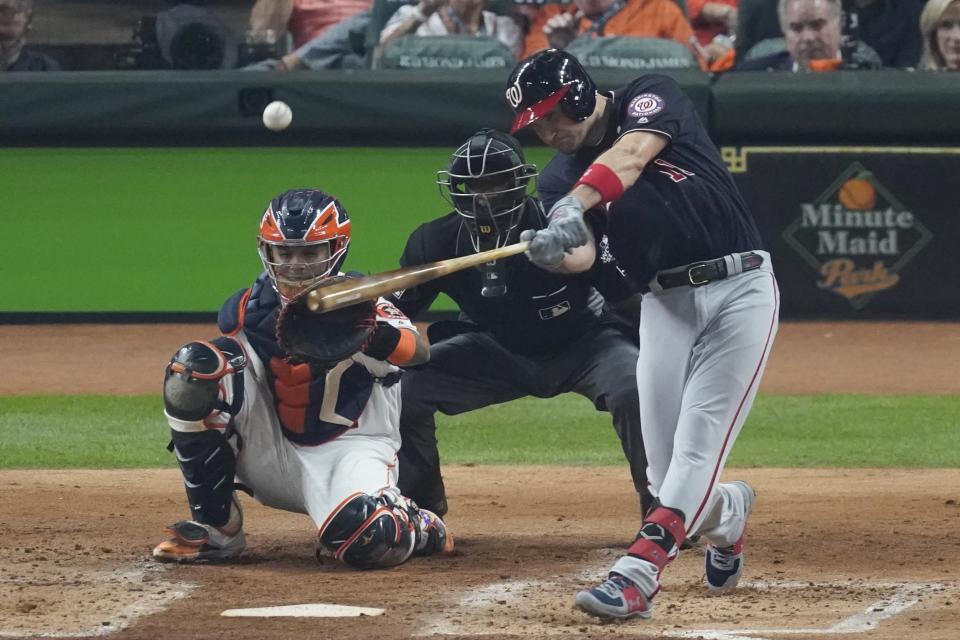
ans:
(303, 611)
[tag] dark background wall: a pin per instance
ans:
(146, 187)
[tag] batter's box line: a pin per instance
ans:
(905, 595)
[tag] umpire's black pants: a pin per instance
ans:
(473, 370)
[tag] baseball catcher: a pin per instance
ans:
(301, 409)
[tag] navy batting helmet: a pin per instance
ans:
(546, 80)
(304, 236)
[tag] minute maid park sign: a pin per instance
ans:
(857, 236)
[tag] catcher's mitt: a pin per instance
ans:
(325, 338)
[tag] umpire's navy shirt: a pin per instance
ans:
(542, 312)
(685, 206)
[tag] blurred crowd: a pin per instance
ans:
(715, 35)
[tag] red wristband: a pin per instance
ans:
(603, 180)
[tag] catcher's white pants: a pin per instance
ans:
(315, 480)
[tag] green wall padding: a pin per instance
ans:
(161, 229)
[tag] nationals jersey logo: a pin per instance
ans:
(857, 235)
(645, 105)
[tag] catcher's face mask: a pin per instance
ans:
(294, 269)
(304, 237)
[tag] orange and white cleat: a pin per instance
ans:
(191, 541)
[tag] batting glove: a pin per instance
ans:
(566, 219)
(546, 248)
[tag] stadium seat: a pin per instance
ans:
(766, 48)
(862, 55)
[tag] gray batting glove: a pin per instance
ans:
(566, 219)
(546, 248)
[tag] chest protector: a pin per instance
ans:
(314, 404)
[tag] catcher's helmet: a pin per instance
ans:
(304, 236)
(486, 182)
(546, 80)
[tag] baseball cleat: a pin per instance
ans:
(194, 542)
(724, 565)
(617, 598)
(433, 536)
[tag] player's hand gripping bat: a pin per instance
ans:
(348, 292)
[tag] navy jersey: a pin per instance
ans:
(541, 312)
(300, 389)
(685, 206)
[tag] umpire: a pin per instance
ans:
(522, 331)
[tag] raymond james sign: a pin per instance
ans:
(857, 232)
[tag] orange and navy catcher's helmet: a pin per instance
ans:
(304, 237)
(546, 80)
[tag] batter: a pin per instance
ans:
(640, 160)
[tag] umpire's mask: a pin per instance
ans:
(487, 183)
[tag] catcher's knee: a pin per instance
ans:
(200, 379)
(367, 532)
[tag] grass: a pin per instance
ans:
(101, 432)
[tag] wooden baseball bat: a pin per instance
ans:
(348, 292)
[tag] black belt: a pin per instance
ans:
(701, 273)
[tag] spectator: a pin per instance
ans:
(558, 25)
(343, 46)
(452, 17)
(714, 24)
(887, 26)
(303, 19)
(940, 28)
(15, 18)
(811, 29)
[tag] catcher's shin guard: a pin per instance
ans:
(215, 530)
(208, 464)
(367, 532)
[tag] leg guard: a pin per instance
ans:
(654, 548)
(367, 532)
(208, 465)
(202, 392)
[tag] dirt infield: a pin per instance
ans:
(864, 553)
(817, 357)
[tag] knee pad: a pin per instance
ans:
(208, 464)
(367, 532)
(196, 380)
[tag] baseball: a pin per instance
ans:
(277, 116)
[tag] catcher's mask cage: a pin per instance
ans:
(487, 184)
(304, 237)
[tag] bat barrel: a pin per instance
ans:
(355, 290)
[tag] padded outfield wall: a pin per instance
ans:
(140, 192)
